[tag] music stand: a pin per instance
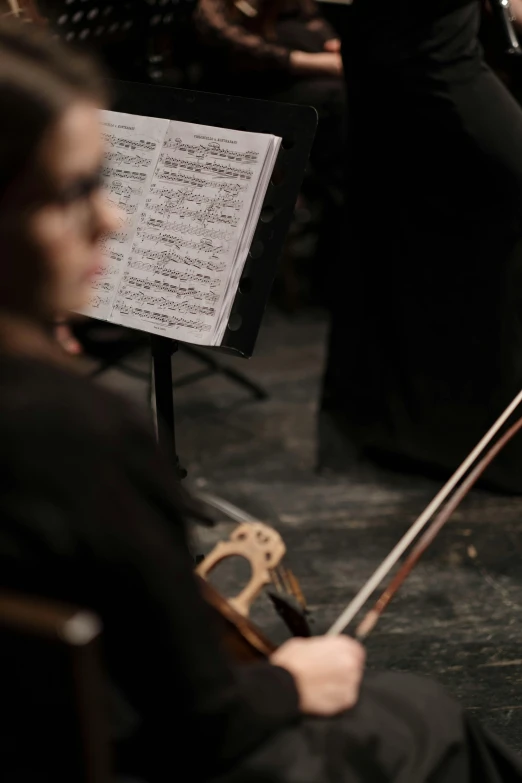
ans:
(118, 32)
(296, 126)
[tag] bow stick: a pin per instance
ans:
(370, 620)
(388, 563)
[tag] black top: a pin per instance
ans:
(90, 515)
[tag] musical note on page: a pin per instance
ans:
(133, 146)
(189, 197)
(211, 150)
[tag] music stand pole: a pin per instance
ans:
(162, 350)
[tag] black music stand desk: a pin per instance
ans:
(296, 126)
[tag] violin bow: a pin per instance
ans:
(370, 620)
(390, 561)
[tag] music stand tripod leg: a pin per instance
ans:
(217, 367)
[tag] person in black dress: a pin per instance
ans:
(90, 514)
(426, 340)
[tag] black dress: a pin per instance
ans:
(89, 514)
(426, 340)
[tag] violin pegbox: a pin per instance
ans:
(264, 549)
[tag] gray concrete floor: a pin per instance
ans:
(459, 617)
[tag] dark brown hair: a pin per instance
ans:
(39, 79)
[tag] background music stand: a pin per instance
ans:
(296, 126)
(146, 40)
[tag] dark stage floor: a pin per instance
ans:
(458, 619)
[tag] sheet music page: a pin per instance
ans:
(189, 234)
(133, 146)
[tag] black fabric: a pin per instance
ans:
(90, 514)
(403, 729)
(426, 340)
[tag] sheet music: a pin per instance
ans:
(133, 147)
(189, 232)
(190, 197)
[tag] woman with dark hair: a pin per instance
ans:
(285, 50)
(426, 340)
(90, 515)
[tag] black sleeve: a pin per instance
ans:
(219, 27)
(93, 510)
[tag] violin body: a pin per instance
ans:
(264, 549)
(243, 641)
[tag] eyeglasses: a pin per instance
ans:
(81, 190)
(77, 199)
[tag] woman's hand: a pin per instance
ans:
(327, 671)
(316, 64)
(516, 9)
(515, 6)
(333, 45)
(65, 338)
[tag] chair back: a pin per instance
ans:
(52, 711)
